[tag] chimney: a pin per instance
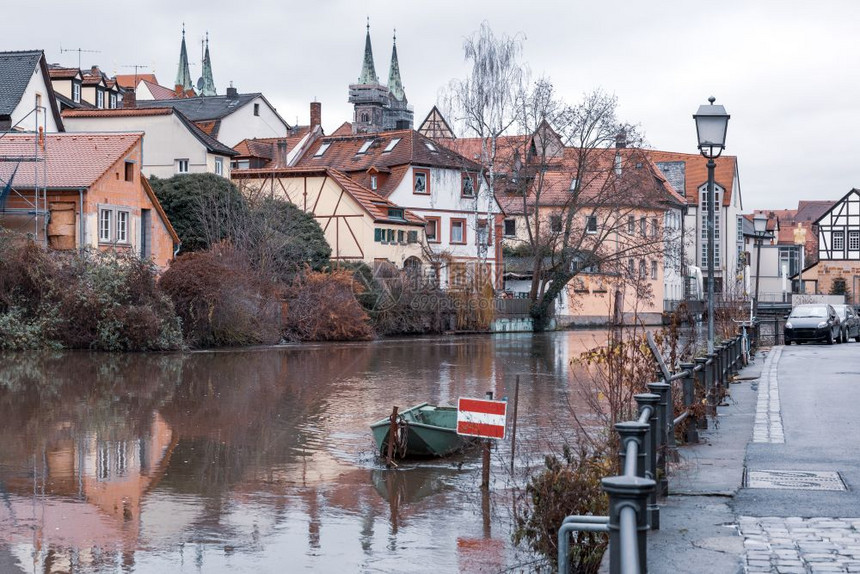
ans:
(621, 140)
(129, 100)
(178, 90)
(282, 153)
(316, 114)
(232, 93)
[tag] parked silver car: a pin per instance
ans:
(849, 323)
(813, 322)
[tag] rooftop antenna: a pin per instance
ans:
(79, 51)
(136, 68)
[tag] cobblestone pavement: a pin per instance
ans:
(794, 545)
(768, 419)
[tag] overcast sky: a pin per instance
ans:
(787, 71)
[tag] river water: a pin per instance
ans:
(261, 460)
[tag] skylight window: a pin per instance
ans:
(365, 146)
(323, 147)
(391, 145)
(430, 146)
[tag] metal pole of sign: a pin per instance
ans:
(514, 428)
(485, 470)
(711, 165)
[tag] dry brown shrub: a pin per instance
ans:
(323, 307)
(220, 300)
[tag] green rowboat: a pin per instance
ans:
(423, 431)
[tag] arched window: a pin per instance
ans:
(412, 266)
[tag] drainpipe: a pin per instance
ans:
(83, 228)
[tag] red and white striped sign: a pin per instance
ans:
(481, 417)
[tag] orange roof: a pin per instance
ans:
(158, 91)
(118, 112)
(374, 204)
(128, 80)
(641, 176)
(355, 154)
(71, 160)
(696, 172)
(345, 129)
(266, 148)
(58, 73)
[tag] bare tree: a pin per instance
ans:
(590, 199)
(484, 103)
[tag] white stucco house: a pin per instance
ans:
(27, 100)
(172, 144)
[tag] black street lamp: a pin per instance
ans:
(760, 227)
(711, 124)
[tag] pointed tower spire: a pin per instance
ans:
(395, 85)
(206, 85)
(183, 75)
(368, 70)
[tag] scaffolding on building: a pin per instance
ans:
(24, 206)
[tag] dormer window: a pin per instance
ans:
(322, 149)
(395, 213)
(76, 92)
(373, 182)
(365, 146)
(100, 99)
(391, 145)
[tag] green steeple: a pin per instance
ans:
(206, 85)
(183, 75)
(368, 70)
(395, 85)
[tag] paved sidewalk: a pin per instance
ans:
(772, 487)
(698, 528)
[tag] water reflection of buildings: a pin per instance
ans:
(80, 504)
(261, 452)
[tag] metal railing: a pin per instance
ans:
(646, 444)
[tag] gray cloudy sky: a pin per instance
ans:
(788, 71)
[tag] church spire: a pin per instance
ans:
(206, 84)
(183, 75)
(368, 70)
(395, 85)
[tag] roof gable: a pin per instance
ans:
(837, 203)
(435, 126)
(696, 173)
(16, 69)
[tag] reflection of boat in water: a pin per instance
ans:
(422, 431)
(410, 486)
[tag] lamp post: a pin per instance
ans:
(760, 227)
(711, 124)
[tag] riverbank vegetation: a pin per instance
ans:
(247, 273)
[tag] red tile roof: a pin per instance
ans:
(374, 204)
(345, 129)
(58, 73)
(158, 91)
(71, 160)
(128, 80)
(345, 153)
(267, 148)
(696, 172)
(641, 176)
(119, 112)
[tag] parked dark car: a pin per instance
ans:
(849, 323)
(813, 322)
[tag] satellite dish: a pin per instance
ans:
(200, 83)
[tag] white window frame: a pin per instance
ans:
(391, 145)
(589, 219)
(838, 241)
(76, 92)
(180, 164)
(114, 224)
(113, 101)
(853, 240)
(100, 99)
(122, 221)
(365, 146)
(105, 224)
(219, 166)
